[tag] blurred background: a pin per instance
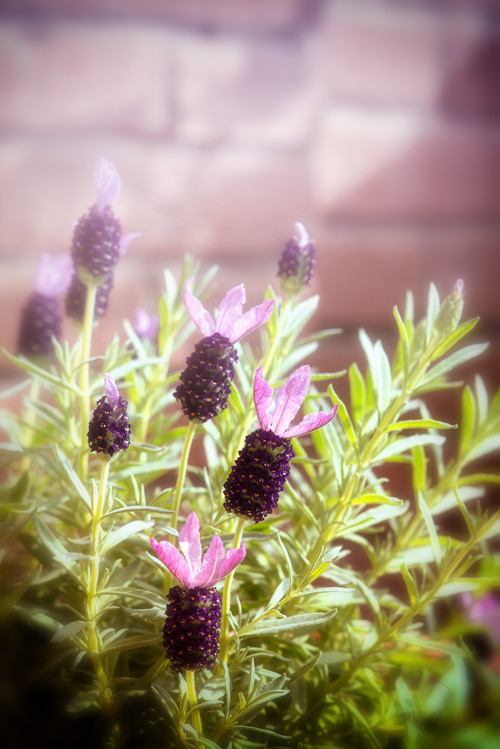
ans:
(374, 123)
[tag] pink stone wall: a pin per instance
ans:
(375, 123)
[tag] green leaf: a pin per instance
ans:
(459, 357)
(405, 343)
(376, 499)
(296, 623)
(431, 528)
(454, 337)
(419, 464)
(400, 446)
(433, 306)
(121, 534)
(75, 481)
(358, 392)
(69, 630)
(410, 584)
(419, 424)
(343, 416)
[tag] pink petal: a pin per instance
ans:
(263, 398)
(112, 394)
(145, 326)
(289, 398)
(53, 274)
(107, 183)
(310, 422)
(173, 561)
(250, 320)
(231, 560)
(189, 543)
(197, 312)
(126, 241)
(230, 310)
(301, 234)
(212, 555)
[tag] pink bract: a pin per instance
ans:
(230, 321)
(287, 400)
(112, 393)
(53, 274)
(188, 566)
(107, 182)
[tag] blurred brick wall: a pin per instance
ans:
(374, 123)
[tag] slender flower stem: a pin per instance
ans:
(182, 473)
(88, 322)
(226, 596)
(94, 641)
(193, 703)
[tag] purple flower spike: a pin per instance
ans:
(298, 261)
(53, 275)
(193, 613)
(262, 467)
(109, 428)
(287, 401)
(230, 321)
(188, 566)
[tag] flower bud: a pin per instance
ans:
(450, 311)
(109, 428)
(297, 263)
(205, 383)
(40, 320)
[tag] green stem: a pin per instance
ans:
(94, 641)
(88, 322)
(193, 703)
(188, 440)
(226, 596)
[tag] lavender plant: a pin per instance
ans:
(349, 612)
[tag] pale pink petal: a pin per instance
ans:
(214, 552)
(197, 312)
(145, 326)
(231, 560)
(126, 240)
(263, 398)
(112, 394)
(53, 274)
(173, 561)
(289, 398)
(250, 320)
(301, 234)
(309, 423)
(189, 543)
(230, 310)
(107, 183)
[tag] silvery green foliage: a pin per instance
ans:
(345, 624)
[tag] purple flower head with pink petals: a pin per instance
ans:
(262, 467)
(298, 261)
(97, 235)
(109, 428)
(205, 383)
(190, 568)
(193, 613)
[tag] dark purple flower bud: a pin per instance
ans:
(76, 298)
(96, 244)
(40, 320)
(109, 428)
(192, 627)
(298, 261)
(252, 488)
(205, 383)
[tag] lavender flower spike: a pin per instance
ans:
(205, 383)
(262, 467)
(41, 316)
(298, 261)
(109, 428)
(193, 613)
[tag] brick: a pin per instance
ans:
(257, 92)
(389, 166)
(471, 61)
(277, 16)
(374, 54)
(64, 77)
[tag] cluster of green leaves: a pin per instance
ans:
(335, 634)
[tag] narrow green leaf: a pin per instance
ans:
(433, 306)
(431, 528)
(419, 464)
(358, 392)
(400, 446)
(121, 534)
(410, 584)
(69, 630)
(459, 357)
(468, 421)
(343, 416)
(297, 623)
(75, 481)
(376, 499)
(419, 424)
(278, 595)
(454, 337)
(405, 343)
